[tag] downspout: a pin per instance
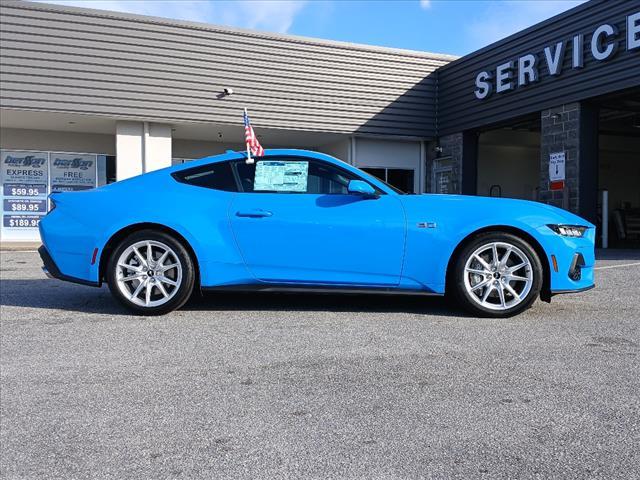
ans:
(145, 140)
(352, 151)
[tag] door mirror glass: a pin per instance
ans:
(360, 187)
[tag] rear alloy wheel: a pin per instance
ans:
(497, 275)
(151, 273)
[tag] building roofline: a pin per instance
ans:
(521, 33)
(42, 6)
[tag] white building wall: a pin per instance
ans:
(48, 140)
(374, 153)
(194, 149)
(339, 149)
(158, 147)
(129, 149)
(141, 147)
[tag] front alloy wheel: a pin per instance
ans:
(497, 275)
(151, 272)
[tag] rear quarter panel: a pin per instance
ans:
(86, 220)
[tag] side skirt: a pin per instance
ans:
(286, 288)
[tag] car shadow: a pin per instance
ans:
(56, 295)
(315, 302)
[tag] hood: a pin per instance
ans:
(569, 218)
(512, 206)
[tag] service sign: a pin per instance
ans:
(72, 172)
(602, 43)
(24, 177)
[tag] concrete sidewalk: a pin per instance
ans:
(19, 246)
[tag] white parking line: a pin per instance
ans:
(617, 266)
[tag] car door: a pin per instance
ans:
(294, 222)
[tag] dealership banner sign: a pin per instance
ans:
(70, 172)
(26, 180)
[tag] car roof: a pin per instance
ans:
(272, 152)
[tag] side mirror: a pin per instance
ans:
(360, 187)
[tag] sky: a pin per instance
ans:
(455, 27)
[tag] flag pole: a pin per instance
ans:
(249, 159)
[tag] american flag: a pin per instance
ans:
(253, 145)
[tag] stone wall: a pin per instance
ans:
(571, 128)
(451, 146)
(560, 132)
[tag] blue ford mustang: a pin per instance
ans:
(302, 220)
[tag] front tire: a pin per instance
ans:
(151, 273)
(496, 275)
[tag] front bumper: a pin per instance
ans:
(51, 270)
(571, 261)
(583, 289)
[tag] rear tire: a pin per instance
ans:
(151, 273)
(496, 275)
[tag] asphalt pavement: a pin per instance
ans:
(326, 387)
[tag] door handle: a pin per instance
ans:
(254, 213)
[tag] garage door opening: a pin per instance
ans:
(509, 160)
(619, 169)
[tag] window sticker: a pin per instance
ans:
(274, 176)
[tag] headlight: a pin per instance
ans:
(568, 230)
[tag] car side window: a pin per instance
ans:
(293, 175)
(216, 176)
